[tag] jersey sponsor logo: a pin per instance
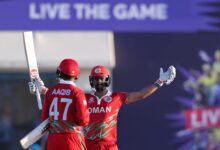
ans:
(97, 110)
(108, 99)
(91, 100)
(61, 92)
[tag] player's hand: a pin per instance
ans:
(39, 84)
(166, 77)
(171, 74)
(32, 87)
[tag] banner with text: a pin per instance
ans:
(203, 118)
(123, 15)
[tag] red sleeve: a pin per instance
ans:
(82, 113)
(123, 96)
(45, 109)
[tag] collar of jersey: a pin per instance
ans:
(109, 93)
(67, 82)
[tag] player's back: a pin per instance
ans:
(64, 105)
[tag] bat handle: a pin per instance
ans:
(38, 99)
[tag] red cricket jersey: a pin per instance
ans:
(103, 116)
(66, 106)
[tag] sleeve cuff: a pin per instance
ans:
(158, 83)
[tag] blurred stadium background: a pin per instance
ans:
(133, 39)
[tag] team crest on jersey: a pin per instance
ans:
(91, 100)
(108, 99)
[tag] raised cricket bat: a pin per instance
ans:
(35, 134)
(31, 61)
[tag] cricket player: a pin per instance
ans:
(65, 105)
(104, 105)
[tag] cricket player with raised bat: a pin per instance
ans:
(104, 105)
(66, 107)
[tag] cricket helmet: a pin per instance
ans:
(100, 71)
(69, 67)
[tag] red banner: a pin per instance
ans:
(202, 118)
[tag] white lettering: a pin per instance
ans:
(98, 11)
(123, 11)
(108, 109)
(51, 11)
(206, 119)
(92, 11)
(213, 116)
(99, 109)
(119, 11)
(133, 12)
(154, 11)
(61, 92)
(79, 10)
(102, 110)
(195, 122)
(33, 12)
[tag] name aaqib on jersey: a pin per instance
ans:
(96, 110)
(61, 92)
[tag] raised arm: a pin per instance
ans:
(164, 78)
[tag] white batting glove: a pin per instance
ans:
(32, 87)
(40, 85)
(37, 84)
(172, 74)
(166, 77)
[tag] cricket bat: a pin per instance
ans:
(32, 61)
(35, 134)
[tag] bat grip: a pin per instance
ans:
(38, 99)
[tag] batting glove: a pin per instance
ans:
(40, 85)
(32, 87)
(166, 77)
(37, 84)
(172, 74)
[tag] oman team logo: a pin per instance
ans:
(98, 70)
(108, 99)
(73, 72)
(91, 100)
